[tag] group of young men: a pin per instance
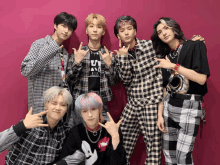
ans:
(39, 138)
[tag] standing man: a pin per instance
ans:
(135, 62)
(91, 67)
(46, 61)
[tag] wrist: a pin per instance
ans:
(176, 67)
(172, 66)
(115, 136)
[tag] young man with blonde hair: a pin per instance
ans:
(91, 67)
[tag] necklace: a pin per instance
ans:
(94, 135)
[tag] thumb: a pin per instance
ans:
(74, 50)
(111, 54)
(30, 111)
(116, 52)
(119, 122)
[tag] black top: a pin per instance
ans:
(192, 56)
(99, 153)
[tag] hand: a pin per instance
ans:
(164, 63)
(122, 50)
(34, 120)
(107, 58)
(198, 37)
(160, 124)
(80, 54)
(61, 46)
(111, 126)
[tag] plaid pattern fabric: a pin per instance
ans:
(77, 76)
(143, 82)
(42, 67)
(38, 146)
(182, 119)
(141, 117)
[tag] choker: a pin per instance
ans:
(100, 132)
(94, 132)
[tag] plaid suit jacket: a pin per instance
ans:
(77, 76)
(142, 80)
(42, 67)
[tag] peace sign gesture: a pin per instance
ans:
(34, 120)
(107, 57)
(111, 126)
(122, 50)
(79, 54)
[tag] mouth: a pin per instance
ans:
(166, 37)
(127, 38)
(90, 119)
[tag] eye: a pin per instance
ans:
(63, 105)
(166, 27)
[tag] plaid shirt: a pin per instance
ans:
(77, 76)
(143, 82)
(42, 67)
(36, 146)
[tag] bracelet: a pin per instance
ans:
(176, 67)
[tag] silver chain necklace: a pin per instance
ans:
(176, 52)
(94, 135)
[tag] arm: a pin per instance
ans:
(39, 55)
(160, 120)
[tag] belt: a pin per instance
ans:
(186, 96)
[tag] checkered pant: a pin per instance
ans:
(182, 118)
(141, 117)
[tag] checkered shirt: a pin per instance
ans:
(143, 82)
(42, 67)
(38, 146)
(77, 76)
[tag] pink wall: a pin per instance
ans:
(22, 22)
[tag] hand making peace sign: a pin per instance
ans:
(80, 54)
(107, 57)
(122, 50)
(111, 126)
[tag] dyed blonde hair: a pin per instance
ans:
(101, 20)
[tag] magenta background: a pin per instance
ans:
(24, 21)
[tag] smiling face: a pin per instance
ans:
(95, 30)
(56, 108)
(165, 33)
(126, 33)
(62, 31)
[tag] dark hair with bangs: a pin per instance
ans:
(161, 48)
(67, 19)
(124, 18)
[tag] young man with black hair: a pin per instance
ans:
(46, 61)
(91, 67)
(135, 63)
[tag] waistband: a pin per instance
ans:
(186, 96)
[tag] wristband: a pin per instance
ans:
(176, 67)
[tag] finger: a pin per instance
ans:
(100, 53)
(109, 116)
(74, 50)
(61, 46)
(117, 52)
(80, 46)
(157, 66)
(119, 43)
(129, 46)
(30, 111)
(102, 125)
(157, 59)
(106, 50)
(119, 122)
(43, 125)
(87, 51)
(42, 113)
(111, 54)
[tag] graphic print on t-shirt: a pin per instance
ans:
(94, 71)
(90, 157)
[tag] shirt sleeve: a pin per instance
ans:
(200, 62)
(39, 55)
(118, 156)
(11, 136)
(74, 159)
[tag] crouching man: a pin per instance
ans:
(100, 142)
(38, 139)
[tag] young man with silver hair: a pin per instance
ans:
(99, 142)
(38, 139)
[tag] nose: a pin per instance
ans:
(126, 31)
(164, 33)
(66, 29)
(89, 113)
(58, 107)
(95, 28)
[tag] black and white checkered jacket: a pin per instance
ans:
(142, 80)
(77, 76)
(38, 146)
(42, 67)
